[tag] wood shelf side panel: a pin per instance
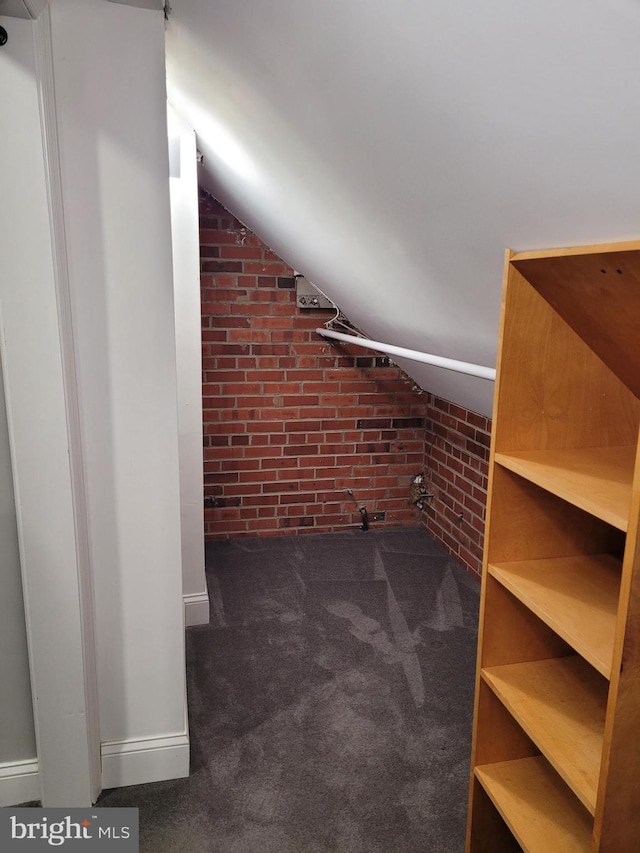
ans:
(537, 806)
(617, 825)
(577, 597)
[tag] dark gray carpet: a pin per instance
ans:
(330, 701)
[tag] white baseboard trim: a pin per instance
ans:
(19, 782)
(196, 609)
(135, 762)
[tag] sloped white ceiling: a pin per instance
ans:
(391, 150)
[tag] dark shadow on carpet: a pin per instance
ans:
(330, 701)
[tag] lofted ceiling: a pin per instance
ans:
(391, 151)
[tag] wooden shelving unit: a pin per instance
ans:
(556, 744)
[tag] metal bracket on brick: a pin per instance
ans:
(308, 296)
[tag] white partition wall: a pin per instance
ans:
(87, 313)
(108, 63)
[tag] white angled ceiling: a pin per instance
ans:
(391, 151)
(28, 9)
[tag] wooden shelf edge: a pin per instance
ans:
(596, 480)
(590, 249)
(537, 807)
(560, 704)
(577, 597)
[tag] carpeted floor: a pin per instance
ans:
(330, 701)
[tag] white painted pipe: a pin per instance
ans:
(414, 355)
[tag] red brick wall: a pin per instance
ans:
(456, 464)
(292, 421)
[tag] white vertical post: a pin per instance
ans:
(38, 393)
(185, 239)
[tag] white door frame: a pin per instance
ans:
(45, 435)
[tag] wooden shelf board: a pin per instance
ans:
(597, 480)
(561, 704)
(537, 807)
(577, 597)
(572, 251)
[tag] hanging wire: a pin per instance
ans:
(338, 319)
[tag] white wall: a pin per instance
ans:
(17, 735)
(111, 118)
(88, 356)
(186, 285)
